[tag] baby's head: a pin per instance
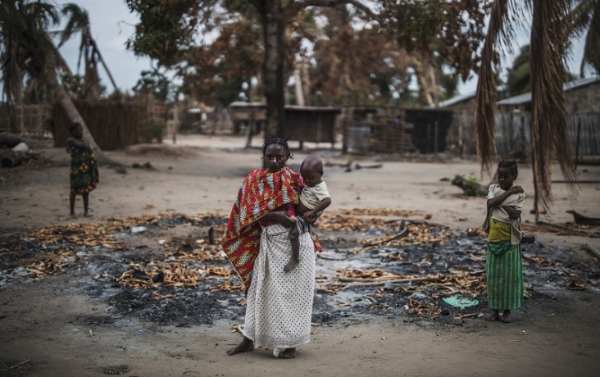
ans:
(507, 173)
(276, 152)
(311, 170)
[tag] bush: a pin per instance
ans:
(468, 185)
(157, 130)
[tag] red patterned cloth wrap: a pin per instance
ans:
(260, 193)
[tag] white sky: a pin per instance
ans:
(112, 24)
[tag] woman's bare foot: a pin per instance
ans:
(293, 263)
(245, 345)
(494, 316)
(288, 353)
(506, 316)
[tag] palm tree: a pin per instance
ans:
(549, 131)
(585, 19)
(518, 80)
(26, 48)
(79, 22)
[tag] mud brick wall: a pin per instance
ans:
(585, 99)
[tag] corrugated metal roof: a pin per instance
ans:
(457, 99)
(526, 97)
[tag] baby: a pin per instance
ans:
(314, 198)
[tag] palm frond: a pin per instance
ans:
(550, 138)
(580, 16)
(591, 51)
(78, 21)
(505, 17)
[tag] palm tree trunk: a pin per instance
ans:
(97, 50)
(63, 100)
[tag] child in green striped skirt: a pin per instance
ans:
(504, 264)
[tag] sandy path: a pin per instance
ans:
(41, 322)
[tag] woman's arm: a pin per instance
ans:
(280, 217)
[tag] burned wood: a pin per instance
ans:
(584, 220)
(12, 159)
(346, 165)
(383, 282)
(375, 166)
(564, 228)
(470, 188)
(9, 141)
(392, 280)
(593, 250)
(403, 233)
(16, 365)
(418, 222)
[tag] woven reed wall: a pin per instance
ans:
(114, 124)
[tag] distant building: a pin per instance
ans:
(513, 116)
(462, 102)
(583, 95)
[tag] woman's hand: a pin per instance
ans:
(281, 218)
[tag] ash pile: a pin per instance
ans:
(169, 269)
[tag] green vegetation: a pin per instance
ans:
(157, 130)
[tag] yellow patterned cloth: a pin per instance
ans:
(499, 231)
(83, 174)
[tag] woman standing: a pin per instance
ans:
(279, 303)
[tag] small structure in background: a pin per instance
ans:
(514, 116)
(249, 116)
(513, 132)
(302, 123)
(312, 124)
(377, 129)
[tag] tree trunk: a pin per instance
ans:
(299, 88)
(14, 159)
(420, 67)
(273, 25)
(63, 100)
(110, 77)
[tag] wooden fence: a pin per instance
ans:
(113, 123)
(28, 119)
(513, 133)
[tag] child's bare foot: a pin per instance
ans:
(288, 353)
(494, 316)
(245, 345)
(293, 263)
(506, 316)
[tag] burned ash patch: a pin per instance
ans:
(172, 272)
(15, 248)
(409, 279)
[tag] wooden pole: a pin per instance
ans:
(577, 143)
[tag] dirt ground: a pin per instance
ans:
(55, 326)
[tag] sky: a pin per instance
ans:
(112, 24)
